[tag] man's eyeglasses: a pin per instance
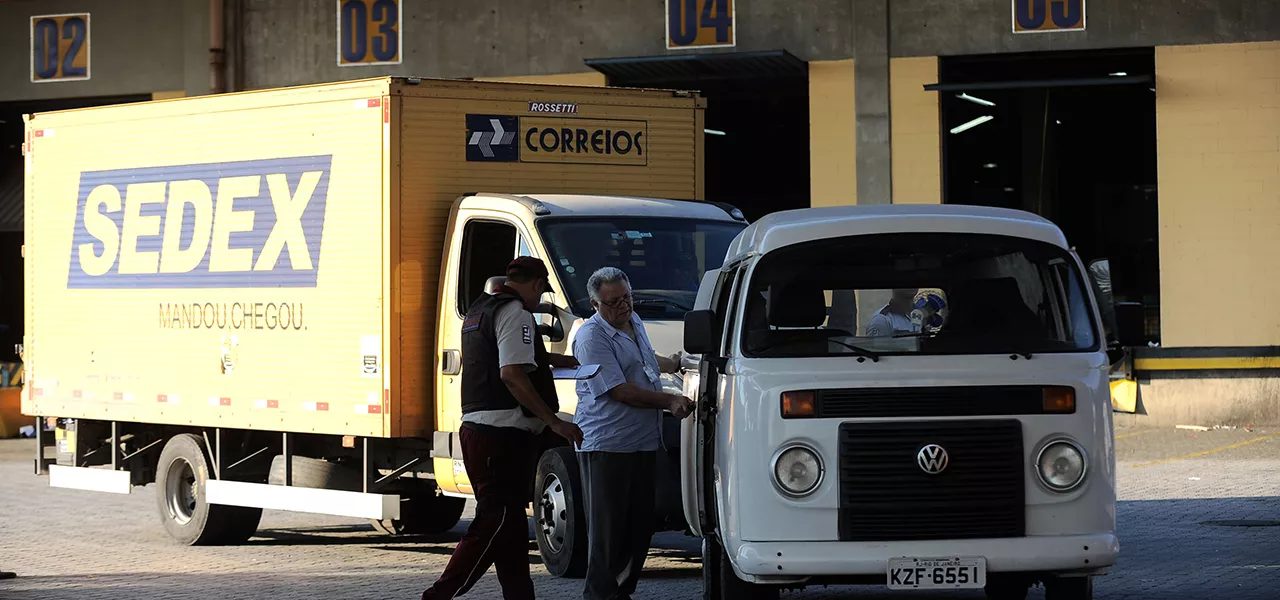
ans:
(618, 302)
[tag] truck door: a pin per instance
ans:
(487, 243)
(702, 385)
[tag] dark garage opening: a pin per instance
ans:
(11, 208)
(1070, 136)
(757, 119)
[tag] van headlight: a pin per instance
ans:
(1061, 465)
(797, 470)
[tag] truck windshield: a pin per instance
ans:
(935, 293)
(663, 257)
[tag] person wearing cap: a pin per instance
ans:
(508, 399)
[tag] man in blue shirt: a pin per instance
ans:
(620, 414)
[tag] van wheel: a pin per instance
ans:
(1068, 588)
(560, 521)
(711, 562)
(732, 588)
(423, 513)
(187, 516)
(1000, 587)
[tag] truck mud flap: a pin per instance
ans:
(300, 499)
(88, 478)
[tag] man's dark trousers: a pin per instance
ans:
(619, 490)
(500, 463)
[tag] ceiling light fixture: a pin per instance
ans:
(975, 100)
(713, 131)
(971, 124)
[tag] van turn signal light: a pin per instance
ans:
(798, 404)
(1059, 400)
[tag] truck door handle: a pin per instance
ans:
(451, 362)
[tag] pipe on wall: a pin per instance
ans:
(217, 50)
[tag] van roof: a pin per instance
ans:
(607, 205)
(789, 227)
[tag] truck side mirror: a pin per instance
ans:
(1130, 323)
(554, 330)
(700, 333)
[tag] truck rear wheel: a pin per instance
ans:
(423, 513)
(560, 521)
(187, 516)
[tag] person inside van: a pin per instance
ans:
(895, 317)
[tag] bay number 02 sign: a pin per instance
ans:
(701, 24)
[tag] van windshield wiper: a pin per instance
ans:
(863, 352)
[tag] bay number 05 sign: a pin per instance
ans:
(701, 24)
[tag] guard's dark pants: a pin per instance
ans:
(500, 463)
(619, 489)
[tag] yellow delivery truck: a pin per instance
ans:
(254, 300)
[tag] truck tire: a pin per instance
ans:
(316, 473)
(560, 521)
(181, 475)
(423, 513)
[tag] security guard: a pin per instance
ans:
(508, 398)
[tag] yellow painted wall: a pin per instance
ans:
(833, 175)
(1218, 139)
(589, 78)
(916, 145)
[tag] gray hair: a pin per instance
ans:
(602, 276)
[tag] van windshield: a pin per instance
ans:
(933, 293)
(663, 257)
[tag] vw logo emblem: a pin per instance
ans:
(932, 459)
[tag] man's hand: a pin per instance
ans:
(567, 430)
(562, 361)
(670, 364)
(680, 406)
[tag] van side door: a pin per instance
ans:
(698, 432)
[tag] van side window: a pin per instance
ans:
(723, 306)
(487, 249)
(523, 248)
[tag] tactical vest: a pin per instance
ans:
(482, 385)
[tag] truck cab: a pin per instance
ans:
(904, 396)
(665, 246)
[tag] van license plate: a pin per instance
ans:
(937, 573)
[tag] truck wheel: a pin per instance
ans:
(181, 475)
(316, 473)
(732, 588)
(425, 513)
(1068, 588)
(560, 521)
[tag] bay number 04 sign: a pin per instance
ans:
(701, 24)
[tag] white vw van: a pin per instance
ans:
(906, 396)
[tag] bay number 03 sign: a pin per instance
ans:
(701, 24)
(369, 32)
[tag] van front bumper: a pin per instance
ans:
(790, 560)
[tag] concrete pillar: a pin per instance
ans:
(871, 100)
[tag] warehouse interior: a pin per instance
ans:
(11, 212)
(1070, 136)
(756, 121)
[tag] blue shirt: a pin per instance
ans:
(608, 425)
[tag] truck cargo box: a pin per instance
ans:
(269, 260)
